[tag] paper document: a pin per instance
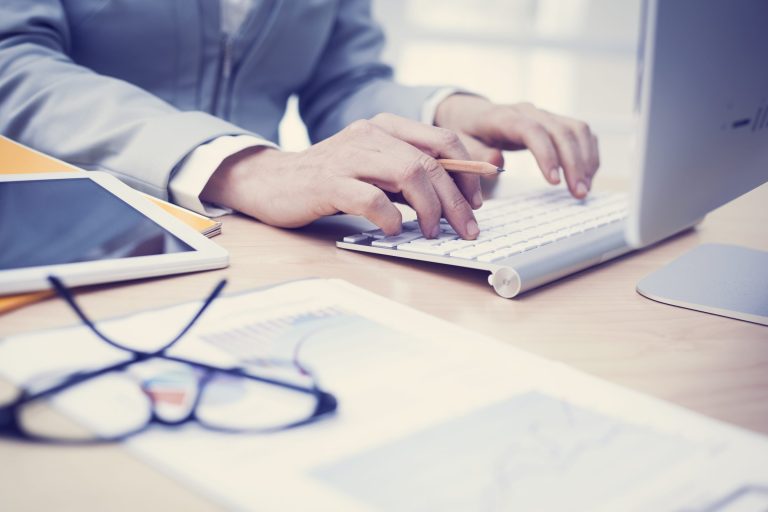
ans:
(431, 417)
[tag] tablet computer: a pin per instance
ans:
(87, 228)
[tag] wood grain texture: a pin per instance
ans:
(594, 321)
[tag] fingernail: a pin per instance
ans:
(435, 232)
(477, 199)
(472, 229)
(554, 175)
(581, 189)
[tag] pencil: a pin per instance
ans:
(469, 167)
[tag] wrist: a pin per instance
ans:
(228, 186)
(458, 111)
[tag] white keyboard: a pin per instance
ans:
(508, 227)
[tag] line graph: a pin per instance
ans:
(530, 452)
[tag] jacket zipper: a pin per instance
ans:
(220, 106)
(222, 80)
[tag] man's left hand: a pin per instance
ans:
(556, 142)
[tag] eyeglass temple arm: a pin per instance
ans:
(66, 294)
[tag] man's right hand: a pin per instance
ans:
(350, 172)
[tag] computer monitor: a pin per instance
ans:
(708, 132)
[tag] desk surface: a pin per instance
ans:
(593, 321)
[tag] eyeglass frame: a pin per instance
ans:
(326, 403)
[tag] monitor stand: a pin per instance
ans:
(725, 280)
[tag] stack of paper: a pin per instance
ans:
(202, 224)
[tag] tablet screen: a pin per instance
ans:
(49, 222)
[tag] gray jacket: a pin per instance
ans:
(131, 87)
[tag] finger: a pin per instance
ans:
(421, 195)
(515, 128)
(596, 152)
(456, 209)
(436, 142)
(424, 184)
(570, 156)
(481, 152)
(579, 147)
(360, 198)
(394, 166)
(539, 142)
(552, 140)
(398, 166)
(588, 146)
(469, 186)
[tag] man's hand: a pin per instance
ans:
(350, 172)
(556, 142)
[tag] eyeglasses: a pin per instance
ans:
(121, 400)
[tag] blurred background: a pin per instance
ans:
(575, 57)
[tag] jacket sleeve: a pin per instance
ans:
(96, 122)
(351, 82)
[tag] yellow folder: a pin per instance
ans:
(17, 158)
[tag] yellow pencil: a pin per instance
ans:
(469, 167)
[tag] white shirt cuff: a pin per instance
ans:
(196, 169)
(429, 108)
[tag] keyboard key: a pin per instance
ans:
(488, 235)
(393, 241)
(592, 224)
(471, 253)
(375, 233)
(491, 257)
(530, 244)
(434, 250)
(498, 243)
(512, 250)
(511, 240)
(616, 216)
(441, 238)
(356, 239)
(547, 239)
(512, 227)
(461, 244)
(411, 225)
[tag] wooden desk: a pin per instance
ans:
(593, 321)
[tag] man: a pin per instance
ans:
(182, 99)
